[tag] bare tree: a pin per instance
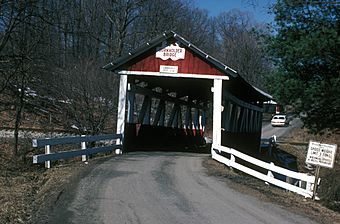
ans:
(88, 97)
(18, 51)
(55, 49)
(240, 45)
(120, 15)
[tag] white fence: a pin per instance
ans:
(304, 182)
(114, 139)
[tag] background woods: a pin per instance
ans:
(306, 50)
(51, 53)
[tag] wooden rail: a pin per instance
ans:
(48, 142)
(303, 186)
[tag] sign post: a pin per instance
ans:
(317, 173)
(320, 155)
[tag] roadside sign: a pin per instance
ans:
(321, 154)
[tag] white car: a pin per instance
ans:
(279, 120)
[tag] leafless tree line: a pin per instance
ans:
(51, 52)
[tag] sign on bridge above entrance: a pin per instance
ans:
(173, 52)
(168, 69)
(321, 154)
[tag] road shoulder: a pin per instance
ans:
(59, 189)
(290, 201)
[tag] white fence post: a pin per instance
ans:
(83, 146)
(232, 161)
(309, 186)
(274, 137)
(47, 151)
(270, 173)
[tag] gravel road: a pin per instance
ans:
(268, 130)
(161, 187)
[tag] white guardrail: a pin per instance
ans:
(304, 182)
(113, 139)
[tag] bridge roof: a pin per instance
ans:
(197, 64)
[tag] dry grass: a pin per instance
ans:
(329, 190)
(24, 187)
(17, 187)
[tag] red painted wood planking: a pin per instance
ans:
(191, 64)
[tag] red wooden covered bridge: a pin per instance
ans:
(168, 90)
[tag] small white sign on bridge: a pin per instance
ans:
(168, 69)
(321, 154)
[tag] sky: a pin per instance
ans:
(258, 11)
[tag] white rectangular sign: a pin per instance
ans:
(168, 69)
(321, 154)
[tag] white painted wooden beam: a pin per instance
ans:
(217, 112)
(175, 75)
(121, 109)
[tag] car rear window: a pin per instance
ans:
(279, 117)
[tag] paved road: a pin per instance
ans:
(160, 187)
(268, 130)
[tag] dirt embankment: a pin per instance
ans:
(25, 189)
(329, 190)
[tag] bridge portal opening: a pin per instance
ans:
(168, 113)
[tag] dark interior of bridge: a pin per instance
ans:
(179, 125)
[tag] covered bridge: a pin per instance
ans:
(169, 90)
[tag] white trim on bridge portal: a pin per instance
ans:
(217, 109)
(121, 109)
(176, 75)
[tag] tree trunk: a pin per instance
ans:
(18, 115)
